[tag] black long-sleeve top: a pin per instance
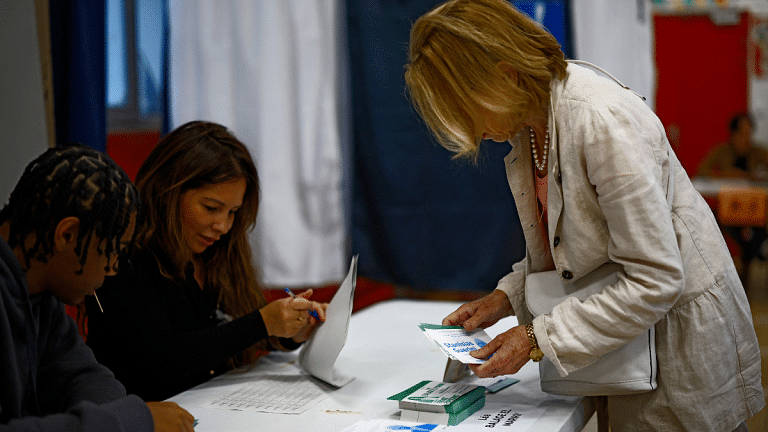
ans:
(161, 337)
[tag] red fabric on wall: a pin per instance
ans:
(367, 293)
(129, 149)
(701, 81)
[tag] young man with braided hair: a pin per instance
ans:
(71, 214)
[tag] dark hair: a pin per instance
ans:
(733, 126)
(194, 155)
(70, 180)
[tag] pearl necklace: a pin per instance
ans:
(540, 165)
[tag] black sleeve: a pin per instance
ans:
(68, 372)
(123, 415)
(154, 338)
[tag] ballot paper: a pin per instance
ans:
(456, 342)
(501, 416)
(320, 351)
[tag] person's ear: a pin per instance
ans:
(508, 70)
(65, 234)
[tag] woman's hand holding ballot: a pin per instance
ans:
(509, 352)
(483, 312)
(292, 317)
(509, 349)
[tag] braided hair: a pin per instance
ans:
(70, 181)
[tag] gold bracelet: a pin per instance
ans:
(536, 354)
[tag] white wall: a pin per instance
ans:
(758, 86)
(755, 6)
(616, 36)
(22, 115)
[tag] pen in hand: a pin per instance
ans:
(311, 312)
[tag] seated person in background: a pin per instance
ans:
(739, 157)
(72, 212)
(188, 305)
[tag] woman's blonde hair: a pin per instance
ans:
(453, 67)
(194, 155)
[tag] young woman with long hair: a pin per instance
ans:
(187, 306)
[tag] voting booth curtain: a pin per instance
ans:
(618, 37)
(275, 71)
(419, 219)
(270, 70)
(78, 54)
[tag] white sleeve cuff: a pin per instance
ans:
(540, 330)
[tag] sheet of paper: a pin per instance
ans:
(456, 342)
(392, 425)
(319, 353)
(501, 416)
(284, 394)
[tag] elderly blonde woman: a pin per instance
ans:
(589, 168)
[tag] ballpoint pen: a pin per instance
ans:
(311, 312)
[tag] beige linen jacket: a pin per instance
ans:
(608, 171)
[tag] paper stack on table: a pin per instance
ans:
(439, 402)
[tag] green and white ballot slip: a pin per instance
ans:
(456, 342)
(440, 397)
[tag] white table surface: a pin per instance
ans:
(710, 186)
(386, 353)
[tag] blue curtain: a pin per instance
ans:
(554, 15)
(166, 69)
(420, 219)
(78, 51)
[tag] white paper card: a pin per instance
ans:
(456, 342)
(320, 351)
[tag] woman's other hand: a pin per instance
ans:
(289, 317)
(510, 350)
(483, 312)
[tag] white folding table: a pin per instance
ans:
(386, 353)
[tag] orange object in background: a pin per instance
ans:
(742, 207)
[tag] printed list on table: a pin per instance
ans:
(286, 394)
